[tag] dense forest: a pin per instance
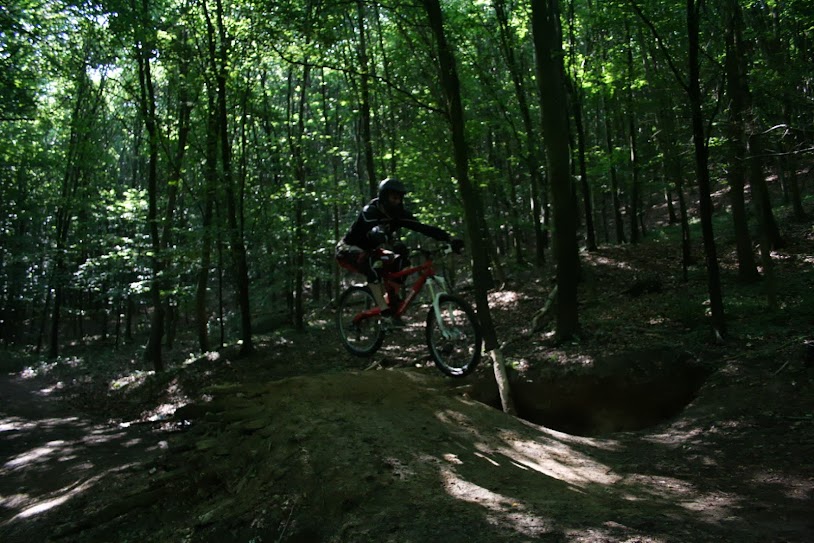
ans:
(633, 183)
(192, 164)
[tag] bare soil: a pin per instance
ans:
(302, 442)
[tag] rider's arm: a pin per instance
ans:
(364, 223)
(408, 220)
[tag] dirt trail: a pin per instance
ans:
(402, 455)
(303, 443)
(52, 454)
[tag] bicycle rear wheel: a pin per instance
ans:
(455, 347)
(361, 336)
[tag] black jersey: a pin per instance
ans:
(373, 215)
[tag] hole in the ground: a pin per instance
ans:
(624, 392)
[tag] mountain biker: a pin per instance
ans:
(376, 225)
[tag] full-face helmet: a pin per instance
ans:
(390, 186)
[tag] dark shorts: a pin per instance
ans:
(356, 259)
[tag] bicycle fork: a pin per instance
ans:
(438, 287)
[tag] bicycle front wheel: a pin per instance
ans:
(361, 335)
(455, 341)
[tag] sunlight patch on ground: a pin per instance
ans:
(137, 377)
(60, 497)
(47, 391)
(36, 455)
(13, 501)
(676, 436)
(711, 507)
(44, 368)
(12, 424)
(611, 532)
(605, 261)
(503, 299)
(59, 449)
(794, 488)
(210, 356)
(505, 510)
(593, 442)
(165, 410)
(558, 460)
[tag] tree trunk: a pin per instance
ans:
(736, 174)
(632, 144)
(144, 50)
(760, 202)
(615, 198)
(210, 181)
(673, 172)
(473, 208)
(576, 95)
(367, 137)
(237, 246)
(295, 139)
(702, 171)
(332, 130)
(761, 190)
(550, 76)
(590, 228)
(176, 172)
(530, 140)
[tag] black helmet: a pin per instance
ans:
(391, 184)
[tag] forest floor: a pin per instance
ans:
(645, 429)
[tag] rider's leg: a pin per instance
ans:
(376, 287)
(374, 282)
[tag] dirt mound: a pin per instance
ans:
(404, 456)
(295, 443)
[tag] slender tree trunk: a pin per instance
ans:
(237, 246)
(176, 172)
(367, 137)
(761, 190)
(299, 206)
(210, 181)
(738, 106)
(332, 131)
(702, 171)
(551, 78)
(760, 202)
(389, 129)
(473, 208)
(616, 200)
(590, 229)
(144, 50)
(632, 144)
(673, 171)
(668, 199)
(221, 266)
(790, 164)
(576, 100)
(530, 140)
(67, 205)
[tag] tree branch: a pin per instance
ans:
(350, 71)
(679, 76)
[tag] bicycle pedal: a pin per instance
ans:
(394, 324)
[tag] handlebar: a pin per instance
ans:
(442, 247)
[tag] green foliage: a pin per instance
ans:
(71, 72)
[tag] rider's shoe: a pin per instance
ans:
(392, 320)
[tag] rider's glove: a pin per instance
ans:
(377, 236)
(457, 245)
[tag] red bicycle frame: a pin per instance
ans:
(393, 286)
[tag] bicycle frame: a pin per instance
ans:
(427, 276)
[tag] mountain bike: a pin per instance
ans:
(452, 331)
